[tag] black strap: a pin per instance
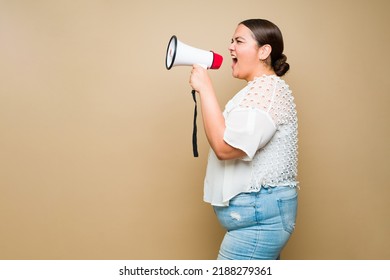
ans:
(194, 131)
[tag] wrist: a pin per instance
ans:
(205, 91)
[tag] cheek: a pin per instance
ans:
(250, 63)
(246, 62)
(248, 58)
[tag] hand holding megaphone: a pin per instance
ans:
(199, 79)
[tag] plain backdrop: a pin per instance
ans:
(95, 134)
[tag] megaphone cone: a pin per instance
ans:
(179, 53)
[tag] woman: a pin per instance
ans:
(252, 166)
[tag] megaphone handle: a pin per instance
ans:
(194, 131)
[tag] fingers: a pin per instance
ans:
(198, 77)
(193, 74)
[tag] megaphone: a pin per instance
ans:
(179, 53)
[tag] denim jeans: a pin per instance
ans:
(258, 224)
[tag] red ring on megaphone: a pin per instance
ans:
(217, 61)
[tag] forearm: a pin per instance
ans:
(213, 120)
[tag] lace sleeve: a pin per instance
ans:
(271, 95)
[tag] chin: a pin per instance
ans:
(235, 74)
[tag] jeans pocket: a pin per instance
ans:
(288, 212)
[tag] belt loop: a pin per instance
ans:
(268, 188)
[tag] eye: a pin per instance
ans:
(237, 40)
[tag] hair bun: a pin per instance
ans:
(281, 66)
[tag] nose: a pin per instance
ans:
(231, 47)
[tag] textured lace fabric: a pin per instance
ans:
(275, 163)
(261, 120)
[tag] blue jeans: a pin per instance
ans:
(258, 224)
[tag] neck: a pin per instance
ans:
(266, 72)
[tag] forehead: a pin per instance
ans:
(243, 32)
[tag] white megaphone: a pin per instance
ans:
(179, 53)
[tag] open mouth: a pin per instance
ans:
(234, 60)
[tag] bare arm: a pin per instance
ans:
(213, 120)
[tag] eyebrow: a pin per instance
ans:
(238, 37)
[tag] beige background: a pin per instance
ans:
(95, 143)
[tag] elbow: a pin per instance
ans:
(221, 155)
(228, 154)
(219, 149)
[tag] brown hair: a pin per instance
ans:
(266, 32)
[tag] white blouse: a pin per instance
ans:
(261, 120)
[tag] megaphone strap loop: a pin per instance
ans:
(194, 131)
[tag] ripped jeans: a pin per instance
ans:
(258, 224)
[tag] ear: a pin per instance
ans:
(265, 51)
